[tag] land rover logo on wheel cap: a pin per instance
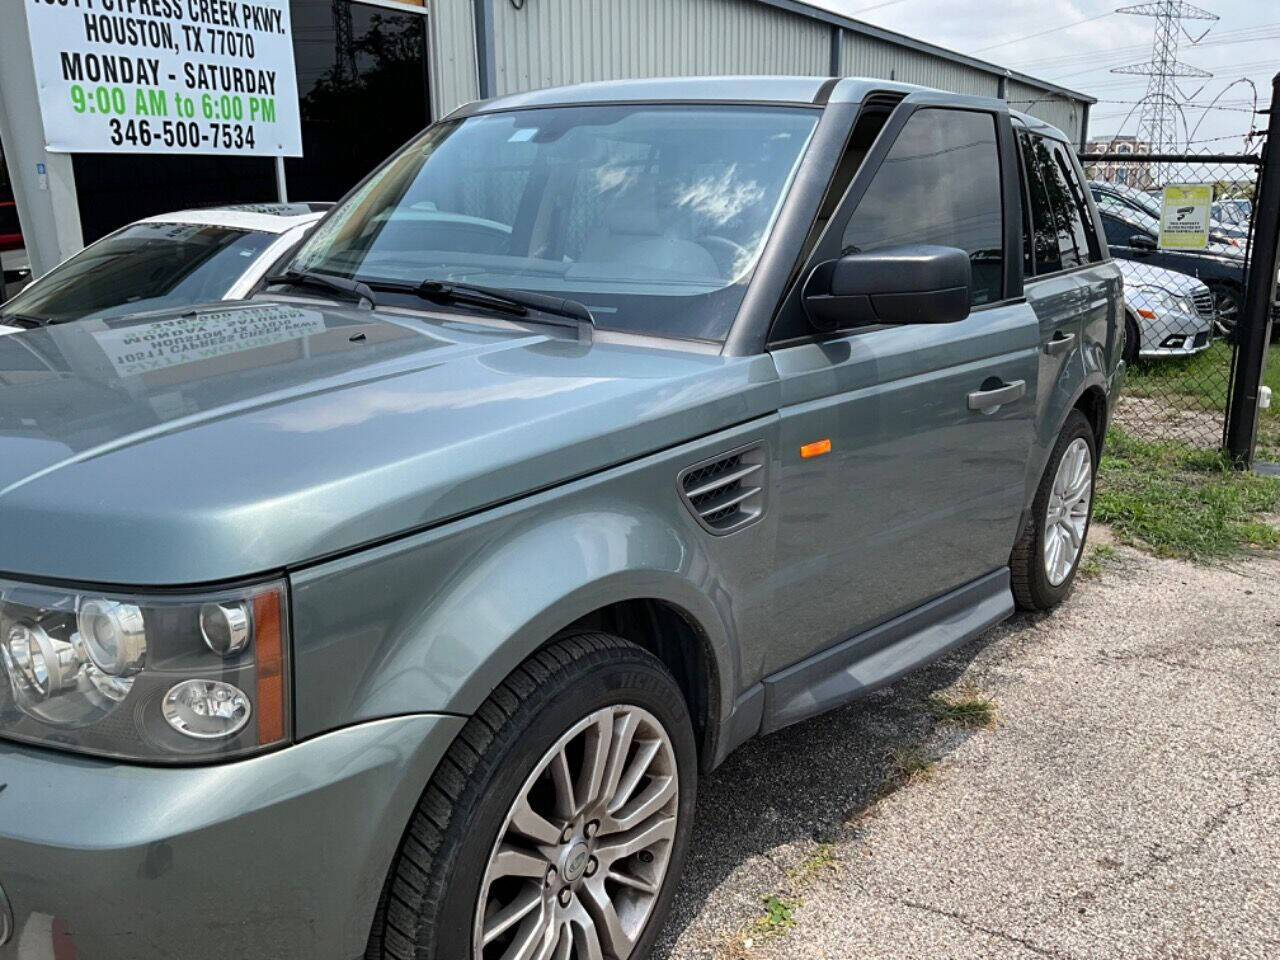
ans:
(576, 863)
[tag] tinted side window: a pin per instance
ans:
(1067, 226)
(940, 184)
(1044, 220)
(1118, 232)
(1081, 216)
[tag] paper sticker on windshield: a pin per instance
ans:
(1184, 216)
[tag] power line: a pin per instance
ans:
(1042, 33)
(876, 6)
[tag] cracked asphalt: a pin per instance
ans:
(1126, 804)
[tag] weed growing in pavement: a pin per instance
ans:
(1099, 557)
(905, 765)
(1178, 501)
(965, 708)
(811, 867)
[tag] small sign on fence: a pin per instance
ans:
(1184, 216)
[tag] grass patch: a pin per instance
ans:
(811, 867)
(1198, 382)
(1182, 502)
(1099, 557)
(968, 709)
(905, 765)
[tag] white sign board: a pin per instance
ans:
(1184, 216)
(166, 76)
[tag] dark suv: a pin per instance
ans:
(396, 611)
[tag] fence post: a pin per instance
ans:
(1254, 321)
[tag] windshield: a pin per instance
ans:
(145, 266)
(652, 216)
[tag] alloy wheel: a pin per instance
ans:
(582, 856)
(1067, 514)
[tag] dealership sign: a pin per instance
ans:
(166, 76)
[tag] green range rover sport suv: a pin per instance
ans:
(395, 611)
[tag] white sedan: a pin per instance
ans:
(193, 256)
(1167, 314)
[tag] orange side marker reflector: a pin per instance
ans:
(269, 639)
(1149, 314)
(815, 449)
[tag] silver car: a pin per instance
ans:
(162, 262)
(1167, 314)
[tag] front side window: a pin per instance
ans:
(939, 184)
(653, 216)
(1119, 232)
(145, 266)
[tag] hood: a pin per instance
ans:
(1140, 274)
(186, 448)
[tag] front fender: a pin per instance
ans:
(434, 622)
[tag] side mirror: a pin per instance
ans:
(915, 283)
(1141, 241)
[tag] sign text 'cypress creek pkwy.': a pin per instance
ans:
(166, 76)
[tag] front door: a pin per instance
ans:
(923, 485)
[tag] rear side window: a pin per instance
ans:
(1044, 230)
(1082, 217)
(939, 184)
(1057, 215)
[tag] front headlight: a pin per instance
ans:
(1159, 299)
(159, 678)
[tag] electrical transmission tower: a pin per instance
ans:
(344, 42)
(1158, 121)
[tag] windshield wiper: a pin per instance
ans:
(515, 302)
(351, 289)
(22, 320)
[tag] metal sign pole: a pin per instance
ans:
(1254, 324)
(282, 188)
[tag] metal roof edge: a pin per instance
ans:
(879, 33)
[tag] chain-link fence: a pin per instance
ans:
(1184, 291)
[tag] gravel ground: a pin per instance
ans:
(1125, 805)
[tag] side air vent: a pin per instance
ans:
(726, 493)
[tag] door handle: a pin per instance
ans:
(1060, 343)
(987, 400)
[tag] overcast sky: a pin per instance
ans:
(1244, 42)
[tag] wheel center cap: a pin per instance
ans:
(576, 862)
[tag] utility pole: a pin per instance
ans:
(1158, 121)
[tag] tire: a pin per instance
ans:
(1035, 586)
(468, 821)
(1132, 341)
(1227, 301)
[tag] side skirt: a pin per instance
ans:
(881, 655)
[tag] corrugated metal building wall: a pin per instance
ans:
(552, 42)
(452, 59)
(494, 47)
(1065, 114)
(866, 56)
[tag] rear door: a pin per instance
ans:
(1074, 300)
(922, 487)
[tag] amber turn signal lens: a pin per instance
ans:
(269, 645)
(815, 449)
